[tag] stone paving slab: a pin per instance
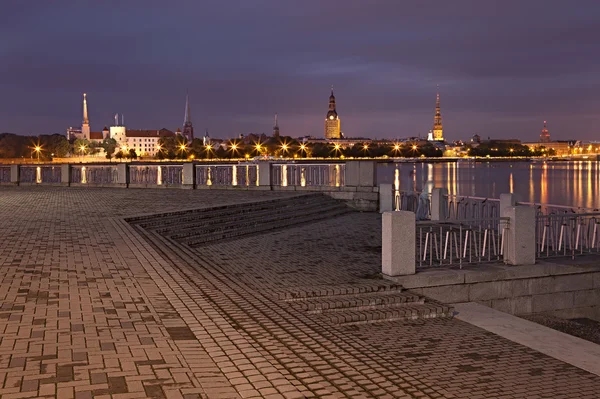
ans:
(91, 306)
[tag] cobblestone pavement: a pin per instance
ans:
(94, 307)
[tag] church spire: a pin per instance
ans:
(188, 127)
(276, 127)
(86, 120)
(438, 132)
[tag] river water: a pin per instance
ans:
(571, 183)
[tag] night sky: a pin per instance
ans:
(503, 67)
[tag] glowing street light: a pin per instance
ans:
(414, 147)
(38, 149)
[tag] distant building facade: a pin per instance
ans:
(545, 135)
(332, 120)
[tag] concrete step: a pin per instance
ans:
(150, 221)
(233, 220)
(308, 293)
(360, 302)
(222, 226)
(276, 224)
(427, 310)
(250, 210)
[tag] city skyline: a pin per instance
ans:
(501, 72)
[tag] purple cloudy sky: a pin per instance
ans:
(502, 66)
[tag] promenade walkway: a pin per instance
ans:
(92, 306)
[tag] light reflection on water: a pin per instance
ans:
(572, 183)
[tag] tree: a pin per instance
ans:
(110, 146)
(80, 147)
(131, 154)
(119, 155)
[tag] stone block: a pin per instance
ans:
(264, 173)
(361, 174)
(386, 198)
(520, 237)
(189, 174)
(554, 301)
(490, 290)
(542, 285)
(122, 174)
(65, 174)
(351, 177)
(341, 195)
(586, 298)
(439, 204)
(15, 173)
(516, 306)
(431, 278)
(398, 243)
(573, 282)
(448, 293)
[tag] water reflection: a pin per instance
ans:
(574, 183)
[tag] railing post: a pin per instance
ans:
(123, 174)
(386, 198)
(507, 200)
(361, 174)
(15, 174)
(65, 174)
(520, 235)
(439, 204)
(398, 243)
(188, 178)
(264, 174)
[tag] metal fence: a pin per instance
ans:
(413, 201)
(308, 175)
(567, 234)
(4, 174)
(460, 243)
(156, 174)
(94, 174)
(227, 175)
(40, 174)
(472, 208)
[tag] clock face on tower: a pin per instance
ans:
(331, 117)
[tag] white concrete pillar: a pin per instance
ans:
(386, 198)
(439, 204)
(398, 243)
(519, 241)
(188, 178)
(65, 174)
(264, 174)
(361, 174)
(123, 174)
(507, 200)
(15, 174)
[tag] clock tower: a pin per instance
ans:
(332, 120)
(438, 131)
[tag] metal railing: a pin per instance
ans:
(156, 174)
(461, 242)
(307, 175)
(244, 174)
(40, 174)
(472, 208)
(567, 234)
(413, 201)
(94, 174)
(4, 174)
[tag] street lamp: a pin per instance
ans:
(82, 149)
(38, 149)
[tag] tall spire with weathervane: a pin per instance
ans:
(438, 131)
(276, 128)
(332, 120)
(188, 128)
(545, 136)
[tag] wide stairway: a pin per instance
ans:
(199, 227)
(365, 303)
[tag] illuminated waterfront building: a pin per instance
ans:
(332, 120)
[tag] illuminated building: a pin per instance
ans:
(545, 136)
(332, 120)
(438, 132)
(188, 128)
